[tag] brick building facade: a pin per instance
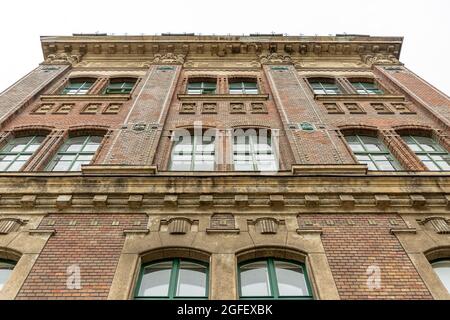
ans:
(347, 198)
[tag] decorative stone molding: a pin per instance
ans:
(206, 199)
(341, 169)
(439, 224)
(8, 225)
(100, 200)
(222, 223)
(178, 225)
(417, 200)
(168, 58)
(62, 58)
(382, 200)
(171, 200)
(28, 201)
(275, 58)
(403, 231)
(64, 201)
(135, 200)
(276, 200)
(347, 200)
(380, 59)
(312, 200)
(266, 225)
(241, 200)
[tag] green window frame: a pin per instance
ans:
(442, 269)
(18, 151)
(250, 153)
(193, 153)
(275, 281)
(328, 88)
(120, 87)
(432, 155)
(170, 279)
(77, 87)
(371, 151)
(75, 152)
(6, 268)
(366, 88)
(243, 87)
(201, 87)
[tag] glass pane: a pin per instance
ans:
(62, 166)
(255, 280)
(16, 166)
(191, 280)
(291, 279)
(91, 147)
(372, 147)
(155, 280)
(5, 272)
(431, 166)
(442, 268)
(180, 165)
(445, 166)
(385, 166)
(356, 147)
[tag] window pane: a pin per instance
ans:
(16, 165)
(255, 280)
(155, 280)
(191, 280)
(291, 280)
(62, 166)
(5, 272)
(442, 269)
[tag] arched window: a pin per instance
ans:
(75, 152)
(442, 269)
(324, 86)
(271, 278)
(244, 87)
(18, 151)
(192, 152)
(366, 87)
(201, 87)
(120, 86)
(173, 279)
(371, 151)
(78, 86)
(254, 150)
(6, 268)
(433, 156)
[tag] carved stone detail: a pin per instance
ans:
(222, 222)
(439, 224)
(178, 225)
(275, 58)
(8, 225)
(62, 58)
(379, 59)
(266, 225)
(168, 58)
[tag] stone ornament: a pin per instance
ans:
(266, 225)
(275, 58)
(379, 58)
(439, 224)
(62, 58)
(168, 58)
(222, 222)
(8, 225)
(178, 225)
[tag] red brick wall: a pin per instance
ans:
(95, 248)
(351, 249)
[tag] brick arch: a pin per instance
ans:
(175, 252)
(435, 253)
(75, 131)
(272, 251)
(420, 130)
(249, 124)
(10, 254)
(201, 77)
(362, 129)
(24, 131)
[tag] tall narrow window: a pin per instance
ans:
(120, 86)
(201, 87)
(243, 87)
(18, 151)
(78, 87)
(324, 87)
(433, 156)
(193, 152)
(442, 269)
(173, 279)
(273, 279)
(6, 268)
(366, 88)
(254, 150)
(371, 151)
(75, 152)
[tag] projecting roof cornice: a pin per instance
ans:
(178, 49)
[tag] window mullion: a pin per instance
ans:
(193, 150)
(252, 153)
(174, 278)
(273, 282)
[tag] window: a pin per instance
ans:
(201, 87)
(253, 151)
(173, 279)
(78, 87)
(75, 152)
(370, 151)
(442, 269)
(18, 151)
(433, 156)
(120, 87)
(273, 279)
(243, 88)
(193, 152)
(6, 268)
(366, 88)
(321, 87)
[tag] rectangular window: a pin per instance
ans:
(201, 88)
(120, 87)
(77, 87)
(253, 151)
(325, 88)
(193, 153)
(243, 88)
(366, 88)
(432, 155)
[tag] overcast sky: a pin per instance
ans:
(424, 24)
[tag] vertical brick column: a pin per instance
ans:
(135, 143)
(297, 105)
(20, 93)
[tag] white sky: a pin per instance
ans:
(425, 24)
